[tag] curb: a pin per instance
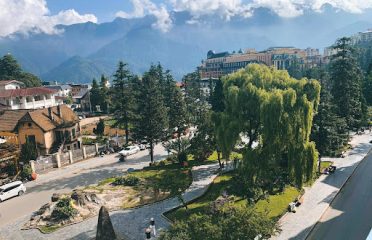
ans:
(343, 184)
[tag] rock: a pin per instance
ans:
(105, 230)
(56, 197)
(79, 197)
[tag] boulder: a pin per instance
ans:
(79, 197)
(56, 197)
(105, 230)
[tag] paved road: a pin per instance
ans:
(350, 214)
(68, 178)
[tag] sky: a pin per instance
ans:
(43, 15)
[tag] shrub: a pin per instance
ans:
(26, 171)
(182, 157)
(162, 163)
(64, 210)
(129, 180)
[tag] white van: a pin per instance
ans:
(11, 190)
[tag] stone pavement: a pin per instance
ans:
(128, 224)
(317, 198)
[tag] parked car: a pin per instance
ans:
(144, 145)
(11, 190)
(129, 150)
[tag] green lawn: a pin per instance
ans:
(276, 205)
(324, 165)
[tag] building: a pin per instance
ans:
(27, 98)
(82, 100)
(61, 90)
(50, 129)
(362, 37)
(220, 64)
(10, 84)
(76, 88)
(8, 127)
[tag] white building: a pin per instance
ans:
(27, 98)
(62, 90)
(362, 37)
(10, 84)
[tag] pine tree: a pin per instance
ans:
(95, 95)
(346, 78)
(367, 86)
(151, 123)
(123, 95)
(217, 97)
(104, 94)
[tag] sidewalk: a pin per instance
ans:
(317, 198)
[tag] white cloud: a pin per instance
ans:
(224, 8)
(33, 15)
(143, 7)
(230, 8)
(284, 8)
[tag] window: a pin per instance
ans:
(31, 139)
(73, 133)
(29, 124)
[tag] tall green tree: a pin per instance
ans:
(193, 95)
(104, 94)
(123, 96)
(95, 95)
(151, 122)
(329, 130)
(11, 70)
(276, 112)
(346, 79)
(367, 86)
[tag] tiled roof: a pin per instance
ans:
(58, 87)
(5, 82)
(41, 118)
(23, 92)
(10, 119)
(81, 93)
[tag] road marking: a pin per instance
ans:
(369, 237)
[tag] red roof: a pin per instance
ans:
(23, 92)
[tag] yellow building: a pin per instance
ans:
(51, 129)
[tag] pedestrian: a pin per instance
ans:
(152, 226)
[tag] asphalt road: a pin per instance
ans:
(68, 178)
(350, 215)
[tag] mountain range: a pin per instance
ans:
(87, 50)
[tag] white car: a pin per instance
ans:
(11, 190)
(129, 150)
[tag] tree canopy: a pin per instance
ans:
(11, 70)
(274, 111)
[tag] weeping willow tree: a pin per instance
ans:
(275, 112)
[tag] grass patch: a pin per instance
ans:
(49, 229)
(324, 165)
(202, 204)
(277, 204)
